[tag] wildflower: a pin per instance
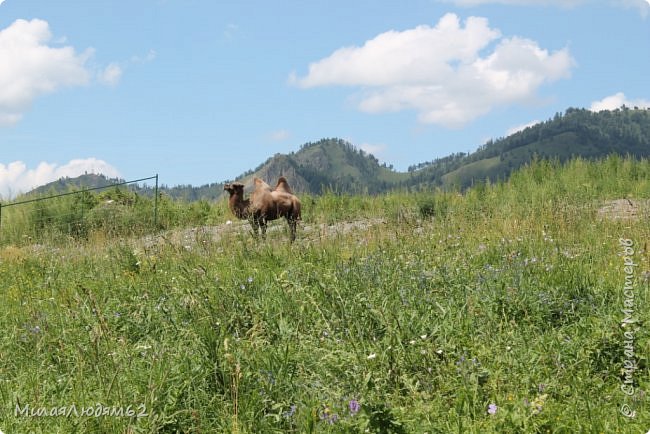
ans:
(36, 329)
(538, 403)
(439, 352)
(492, 409)
(242, 287)
(532, 260)
(229, 222)
(329, 417)
(354, 406)
(250, 279)
(372, 356)
(291, 412)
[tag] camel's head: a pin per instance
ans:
(234, 188)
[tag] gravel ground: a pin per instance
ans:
(625, 209)
(306, 232)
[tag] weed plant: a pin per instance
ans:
(497, 310)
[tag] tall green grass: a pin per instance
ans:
(112, 214)
(494, 310)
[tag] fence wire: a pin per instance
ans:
(123, 208)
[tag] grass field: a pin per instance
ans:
(496, 310)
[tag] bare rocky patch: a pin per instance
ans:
(190, 237)
(625, 209)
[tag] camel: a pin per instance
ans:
(237, 204)
(265, 204)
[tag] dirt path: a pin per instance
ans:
(618, 209)
(625, 209)
(306, 232)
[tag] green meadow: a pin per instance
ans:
(496, 309)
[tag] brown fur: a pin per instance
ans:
(237, 204)
(265, 205)
(283, 185)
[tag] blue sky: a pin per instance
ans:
(200, 91)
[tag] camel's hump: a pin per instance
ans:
(283, 185)
(261, 185)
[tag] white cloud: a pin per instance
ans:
(376, 150)
(518, 128)
(407, 57)
(31, 68)
(16, 177)
(149, 57)
(279, 135)
(617, 100)
(111, 74)
(440, 71)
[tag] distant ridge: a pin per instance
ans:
(65, 184)
(336, 165)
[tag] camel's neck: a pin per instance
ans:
(239, 206)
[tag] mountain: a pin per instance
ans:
(63, 185)
(576, 133)
(336, 165)
(329, 164)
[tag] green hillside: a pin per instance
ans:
(329, 164)
(577, 133)
(336, 165)
(63, 185)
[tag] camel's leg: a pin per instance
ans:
(263, 227)
(255, 224)
(292, 228)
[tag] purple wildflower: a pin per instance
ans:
(354, 407)
(492, 409)
(329, 417)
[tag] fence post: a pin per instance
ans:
(155, 205)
